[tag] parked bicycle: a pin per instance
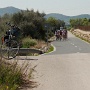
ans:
(9, 45)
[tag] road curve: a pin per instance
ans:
(63, 69)
(71, 45)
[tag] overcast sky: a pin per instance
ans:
(65, 7)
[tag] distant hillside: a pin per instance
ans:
(9, 10)
(81, 16)
(57, 16)
(66, 18)
(12, 10)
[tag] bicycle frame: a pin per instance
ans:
(9, 48)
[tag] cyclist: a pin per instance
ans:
(10, 45)
(14, 31)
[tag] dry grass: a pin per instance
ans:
(14, 76)
(40, 44)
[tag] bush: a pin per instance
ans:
(27, 42)
(12, 76)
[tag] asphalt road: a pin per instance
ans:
(67, 68)
(71, 45)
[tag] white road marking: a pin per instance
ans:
(80, 49)
(72, 43)
(75, 46)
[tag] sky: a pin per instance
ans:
(65, 7)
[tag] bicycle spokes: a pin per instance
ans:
(9, 49)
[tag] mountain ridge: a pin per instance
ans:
(9, 10)
(65, 17)
(12, 10)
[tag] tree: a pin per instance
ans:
(31, 23)
(56, 24)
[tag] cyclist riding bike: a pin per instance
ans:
(14, 31)
(10, 45)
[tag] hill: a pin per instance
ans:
(81, 16)
(57, 16)
(9, 10)
(66, 18)
(12, 10)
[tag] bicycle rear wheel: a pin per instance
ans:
(9, 49)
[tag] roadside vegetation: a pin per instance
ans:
(34, 31)
(50, 49)
(32, 24)
(80, 23)
(28, 42)
(14, 76)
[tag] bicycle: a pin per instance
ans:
(9, 47)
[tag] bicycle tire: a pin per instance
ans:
(9, 49)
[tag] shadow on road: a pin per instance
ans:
(24, 58)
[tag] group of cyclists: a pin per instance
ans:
(61, 34)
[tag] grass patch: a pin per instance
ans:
(50, 49)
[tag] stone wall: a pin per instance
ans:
(85, 35)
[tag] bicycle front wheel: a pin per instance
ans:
(9, 49)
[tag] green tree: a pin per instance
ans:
(31, 23)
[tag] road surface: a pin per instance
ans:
(71, 45)
(67, 68)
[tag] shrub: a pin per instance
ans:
(40, 44)
(13, 76)
(27, 42)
